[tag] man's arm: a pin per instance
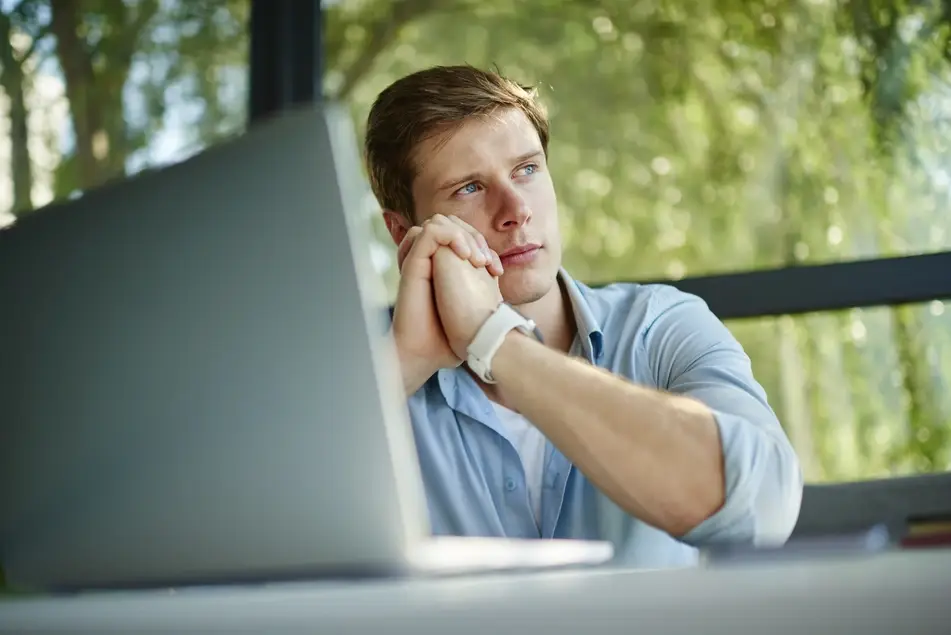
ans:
(705, 461)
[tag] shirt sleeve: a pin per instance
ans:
(692, 353)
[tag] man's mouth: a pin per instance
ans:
(519, 255)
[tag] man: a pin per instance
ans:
(627, 413)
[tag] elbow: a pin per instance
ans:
(778, 496)
(762, 499)
(773, 498)
(697, 508)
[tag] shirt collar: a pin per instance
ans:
(588, 325)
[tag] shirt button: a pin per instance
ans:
(510, 484)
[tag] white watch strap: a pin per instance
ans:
(490, 337)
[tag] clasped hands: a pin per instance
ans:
(448, 288)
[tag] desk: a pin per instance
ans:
(896, 592)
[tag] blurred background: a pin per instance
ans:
(689, 137)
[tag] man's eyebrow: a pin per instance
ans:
(531, 154)
(457, 182)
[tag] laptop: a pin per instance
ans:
(197, 385)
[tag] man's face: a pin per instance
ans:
(491, 172)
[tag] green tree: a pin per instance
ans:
(13, 80)
(126, 67)
(713, 136)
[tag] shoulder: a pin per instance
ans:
(638, 309)
(655, 332)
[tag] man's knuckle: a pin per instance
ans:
(430, 231)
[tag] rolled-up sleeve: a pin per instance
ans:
(692, 353)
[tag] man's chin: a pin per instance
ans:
(524, 287)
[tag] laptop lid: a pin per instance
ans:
(195, 380)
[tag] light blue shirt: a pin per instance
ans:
(656, 336)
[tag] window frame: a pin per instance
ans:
(827, 287)
(286, 56)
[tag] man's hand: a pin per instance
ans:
(420, 339)
(465, 298)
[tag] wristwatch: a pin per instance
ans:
(490, 336)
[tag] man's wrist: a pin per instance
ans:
(491, 335)
(473, 332)
(416, 371)
(512, 349)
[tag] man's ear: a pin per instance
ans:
(397, 224)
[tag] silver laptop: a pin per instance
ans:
(197, 385)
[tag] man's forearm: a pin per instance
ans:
(656, 455)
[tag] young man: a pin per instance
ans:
(627, 413)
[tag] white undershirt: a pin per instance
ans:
(530, 444)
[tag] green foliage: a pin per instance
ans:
(127, 68)
(719, 135)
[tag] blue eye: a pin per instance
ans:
(470, 188)
(530, 169)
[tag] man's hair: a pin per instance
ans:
(428, 103)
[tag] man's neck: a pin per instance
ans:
(554, 316)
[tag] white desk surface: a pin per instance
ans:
(897, 592)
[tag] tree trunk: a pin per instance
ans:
(96, 94)
(84, 105)
(12, 80)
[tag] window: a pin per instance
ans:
(862, 393)
(690, 140)
(95, 91)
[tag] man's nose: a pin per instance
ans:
(513, 210)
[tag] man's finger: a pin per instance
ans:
(446, 235)
(495, 264)
(480, 253)
(492, 261)
(469, 229)
(406, 244)
(433, 236)
(480, 244)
